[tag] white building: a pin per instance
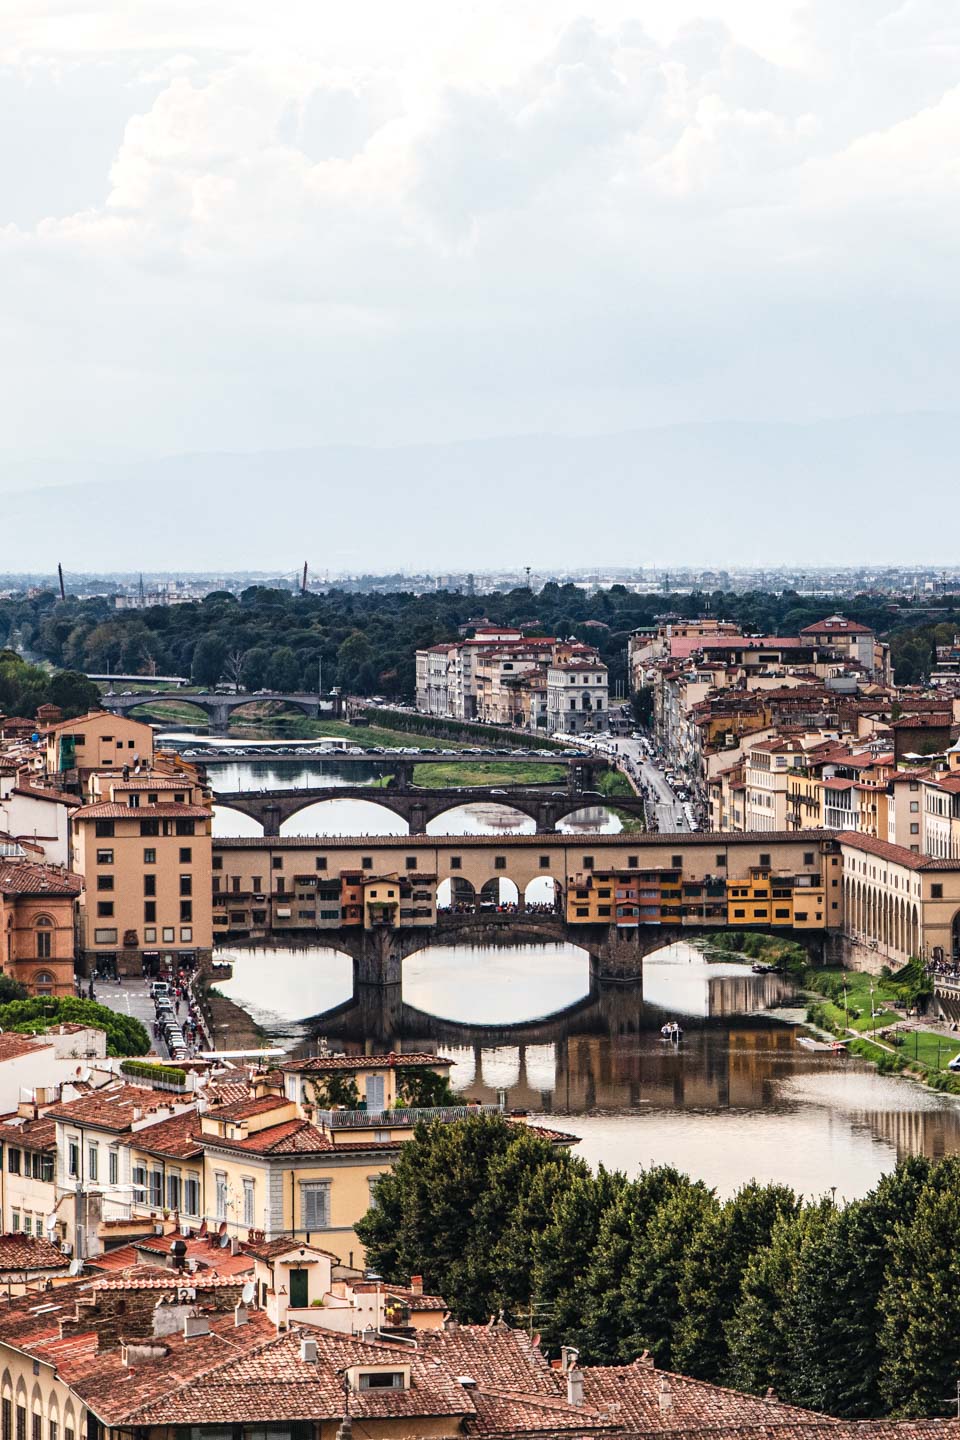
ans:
(577, 697)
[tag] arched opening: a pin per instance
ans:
(345, 817)
(495, 985)
(43, 937)
(542, 894)
(177, 709)
(256, 714)
(229, 822)
(43, 983)
(499, 893)
(456, 894)
(591, 820)
(482, 818)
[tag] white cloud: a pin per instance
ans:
(463, 220)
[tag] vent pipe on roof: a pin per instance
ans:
(574, 1386)
(666, 1396)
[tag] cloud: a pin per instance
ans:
(288, 232)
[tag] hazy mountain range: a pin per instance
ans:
(870, 489)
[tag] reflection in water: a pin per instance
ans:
(280, 986)
(482, 818)
(737, 1099)
(592, 820)
(312, 774)
(479, 984)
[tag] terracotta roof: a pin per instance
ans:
(274, 1384)
(30, 1252)
(31, 1134)
(113, 810)
(24, 877)
(836, 625)
(154, 1251)
(251, 1105)
(177, 1137)
(112, 1108)
(291, 1137)
(631, 1395)
(321, 1064)
(896, 854)
(12, 1046)
(268, 1250)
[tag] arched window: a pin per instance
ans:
(43, 927)
(43, 982)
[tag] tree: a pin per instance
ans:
(354, 654)
(651, 1287)
(446, 1204)
(561, 1250)
(605, 1325)
(760, 1329)
(11, 989)
(125, 1036)
(255, 667)
(283, 670)
(420, 1087)
(74, 693)
(713, 1273)
(920, 1304)
(209, 657)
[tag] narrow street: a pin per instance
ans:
(672, 814)
(132, 997)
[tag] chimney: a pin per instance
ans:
(575, 1386)
(194, 1326)
(569, 1355)
(308, 1350)
(416, 1284)
(239, 1316)
(666, 1396)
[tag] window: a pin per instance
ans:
(104, 882)
(104, 857)
(676, 862)
(186, 910)
(500, 862)
(168, 934)
(366, 862)
(456, 862)
(764, 859)
(321, 862)
(410, 861)
(218, 862)
(105, 937)
(808, 857)
(191, 1196)
(544, 862)
(149, 884)
(104, 909)
(173, 1191)
(248, 1202)
(380, 1380)
(186, 885)
(150, 936)
(156, 1188)
(113, 1167)
(149, 827)
(73, 1159)
(314, 1205)
(149, 857)
(936, 892)
(185, 827)
(914, 829)
(52, 1430)
(186, 934)
(276, 862)
(13, 1160)
(6, 1412)
(220, 1190)
(44, 939)
(149, 911)
(21, 1422)
(133, 802)
(632, 862)
(16, 1226)
(914, 807)
(103, 829)
(36, 1424)
(93, 1160)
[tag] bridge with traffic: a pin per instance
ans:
(219, 707)
(547, 808)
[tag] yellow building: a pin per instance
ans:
(98, 741)
(143, 847)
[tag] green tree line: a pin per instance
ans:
(268, 638)
(851, 1309)
(24, 687)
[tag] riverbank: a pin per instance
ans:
(231, 1026)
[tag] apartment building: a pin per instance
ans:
(502, 677)
(74, 749)
(37, 922)
(143, 847)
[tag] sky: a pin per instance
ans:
(231, 226)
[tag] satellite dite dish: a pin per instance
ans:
(50, 1223)
(76, 1266)
(248, 1292)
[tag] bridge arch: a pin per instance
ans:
(345, 817)
(456, 894)
(499, 890)
(543, 892)
(230, 821)
(592, 818)
(518, 818)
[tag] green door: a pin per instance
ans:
(298, 1289)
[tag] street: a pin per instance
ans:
(132, 997)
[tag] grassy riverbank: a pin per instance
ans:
(505, 772)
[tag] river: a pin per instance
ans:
(738, 1098)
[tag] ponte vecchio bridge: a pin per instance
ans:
(379, 898)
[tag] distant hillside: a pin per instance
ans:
(870, 489)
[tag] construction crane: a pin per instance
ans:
(63, 593)
(303, 582)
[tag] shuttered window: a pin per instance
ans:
(315, 1205)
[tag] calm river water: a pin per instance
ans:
(737, 1099)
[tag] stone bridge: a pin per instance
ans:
(418, 807)
(219, 707)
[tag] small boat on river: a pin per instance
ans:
(671, 1031)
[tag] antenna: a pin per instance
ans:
(248, 1293)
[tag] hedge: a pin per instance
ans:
(146, 1070)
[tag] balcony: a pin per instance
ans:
(397, 1119)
